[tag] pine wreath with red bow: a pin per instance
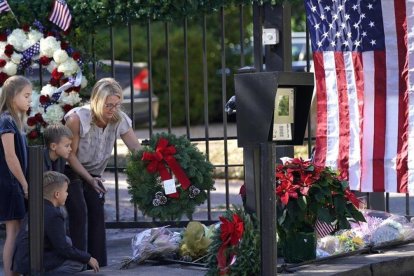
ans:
(235, 246)
(169, 158)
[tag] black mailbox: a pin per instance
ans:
(269, 100)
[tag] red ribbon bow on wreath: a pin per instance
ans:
(231, 233)
(164, 155)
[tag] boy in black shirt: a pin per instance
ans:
(60, 256)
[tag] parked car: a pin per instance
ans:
(299, 52)
(140, 99)
(140, 91)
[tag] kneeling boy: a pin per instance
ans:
(60, 256)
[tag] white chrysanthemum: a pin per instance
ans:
(2, 46)
(54, 114)
(52, 65)
(48, 90)
(48, 46)
(17, 38)
(34, 36)
(84, 82)
(60, 56)
(69, 67)
(16, 58)
(71, 98)
(27, 44)
(35, 104)
(10, 68)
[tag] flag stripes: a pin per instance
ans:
(364, 89)
(61, 15)
(4, 6)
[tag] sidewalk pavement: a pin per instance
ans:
(119, 248)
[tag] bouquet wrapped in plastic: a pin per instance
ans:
(379, 228)
(152, 243)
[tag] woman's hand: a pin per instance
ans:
(97, 185)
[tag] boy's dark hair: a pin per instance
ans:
(52, 181)
(53, 133)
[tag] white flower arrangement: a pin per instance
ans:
(48, 90)
(71, 98)
(84, 82)
(60, 56)
(18, 39)
(10, 68)
(54, 114)
(48, 46)
(16, 58)
(69, 67)
(61, 61)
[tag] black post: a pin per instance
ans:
(36, 227)
(279, 57)
(268, 209)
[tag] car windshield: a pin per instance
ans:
(299, 47)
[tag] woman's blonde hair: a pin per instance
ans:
(11, 88)
(100, 92)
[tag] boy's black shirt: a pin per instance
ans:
(57, 247)
(48, 165)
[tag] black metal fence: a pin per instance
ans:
(218, 46)
(217, 84)
(210, 50)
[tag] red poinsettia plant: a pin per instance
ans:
(306, 193)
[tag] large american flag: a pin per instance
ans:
(4, 6)
(61, 15)
(364, 69)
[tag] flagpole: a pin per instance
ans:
(15, 18)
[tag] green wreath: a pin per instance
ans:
(237, 243)
(165, 157)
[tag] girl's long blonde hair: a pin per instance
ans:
(101, 90)
(11, 88)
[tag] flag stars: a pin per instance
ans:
(333, 43)
(337, 34)
(357, 43)
(349, 34)
(370, 7)
(323, 17)
(355, 7)
(345, 43)
(330, 25)
(340, 7)
(347, 16)
(371, 24)
(316, 26)
(313, 8)
(343, 25)
(327, 8)
(363, 15)
(364, 33)
(373, 42)
(325, 35)
(356, 25)
(334, 17)
(319, 44)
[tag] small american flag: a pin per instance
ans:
(324, 229)
(61, 15)
(363, 58)
(4, 6)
